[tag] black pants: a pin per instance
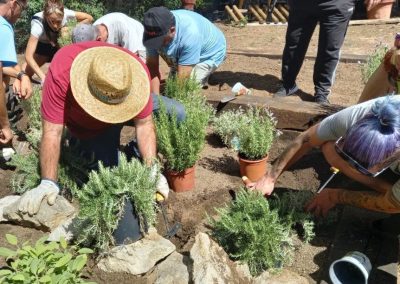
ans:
(333, 17)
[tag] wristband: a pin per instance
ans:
(45, 180)
(20, 74)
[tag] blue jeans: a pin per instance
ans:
(105, 146)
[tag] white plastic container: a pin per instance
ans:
(353, 268)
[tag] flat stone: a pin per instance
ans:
(4, 202)
(139, 257)
(282, 277)
(172, 270)
(48, 217)
(211, 264)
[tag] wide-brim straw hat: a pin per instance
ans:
(109, 84)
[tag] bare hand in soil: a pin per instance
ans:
(265, 185)
(6, 136)
(322, 203)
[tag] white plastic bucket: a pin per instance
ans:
(353, 268)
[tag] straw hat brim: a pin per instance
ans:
(133, 104)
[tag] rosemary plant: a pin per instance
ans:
(373, 61)
(101, 201)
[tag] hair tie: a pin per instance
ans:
(383, 123)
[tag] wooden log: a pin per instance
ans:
(286, 6)
(374, 22)
(260, 12)
(231, 14)
(238, 13)
(279, 16)
(274, 18)
(254, 12)
(283, 11)
(240, 4)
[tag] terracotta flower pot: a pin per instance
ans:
(181, 181)
(188, 4)
(253, 169)
(381, 10)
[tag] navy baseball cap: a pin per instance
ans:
(156, 21)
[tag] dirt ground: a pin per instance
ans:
(217, 172)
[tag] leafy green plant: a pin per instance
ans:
(227, 126)
(252, 232)
(373, 61)
(180, 143)
(102, 198)
(43, 262)
(256, 137)
(66, 33)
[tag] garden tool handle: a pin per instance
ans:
(159, 197)
(334, 172)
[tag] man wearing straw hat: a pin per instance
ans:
(92, 88)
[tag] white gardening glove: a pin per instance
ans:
(162, 184)
(30, 201)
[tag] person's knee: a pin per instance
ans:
(180, 112)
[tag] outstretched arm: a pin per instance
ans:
(297, 149)
(50, 150)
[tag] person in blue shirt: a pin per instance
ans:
(10, 11)
(189, 43)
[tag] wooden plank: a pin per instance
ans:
(352, 22)
(347, 58)
(289, 112)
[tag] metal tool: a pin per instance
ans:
(170, 232)
(334, 172)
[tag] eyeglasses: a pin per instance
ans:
(353, 162)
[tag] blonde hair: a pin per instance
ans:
(53, 6)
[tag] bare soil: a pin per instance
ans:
(217, 172)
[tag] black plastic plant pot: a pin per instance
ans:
(128, 229)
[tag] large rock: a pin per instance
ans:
(211, 264)
(67, 230)
(4, 202)
(172, 270)
(139, 257)
(48, 217)
(282, 277)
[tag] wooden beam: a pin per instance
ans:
(238, 13)
(289, 112)
(254, 12)
(346, 58)
(374, 22)
(231, 14)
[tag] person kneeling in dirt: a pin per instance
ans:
(189, 43)
(114, 28)
(92, 88)
(361, 141)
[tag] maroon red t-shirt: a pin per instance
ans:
(58, 103)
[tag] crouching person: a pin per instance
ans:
(361, 141)
(92, 88)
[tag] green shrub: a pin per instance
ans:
(66, 35)
(227, 126)
(95, 8)
(251, 232)
(102, 198)
(180, 143)
(373, 61)
(257, 135)
(43, 262)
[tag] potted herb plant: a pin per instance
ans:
(255, 139)
(180, 143)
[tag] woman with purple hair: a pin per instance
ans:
(361, 141)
